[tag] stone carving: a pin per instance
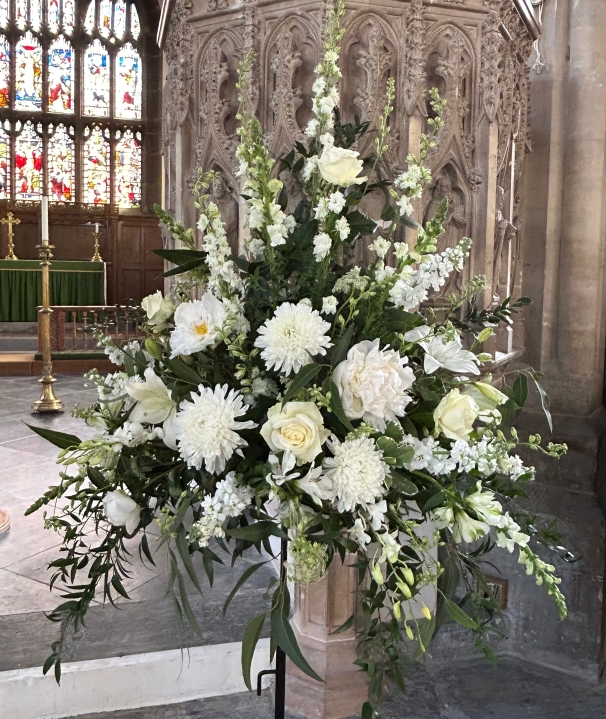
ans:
(492, 53)
(214, 5)
(505, 233)
(413, 65)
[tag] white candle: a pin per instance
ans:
(44, 210)
(97, 228)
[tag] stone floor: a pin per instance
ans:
(468, 690)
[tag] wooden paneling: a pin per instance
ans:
(138, 271)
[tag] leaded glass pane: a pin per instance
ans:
(96, 80)
(68, 16)
(135, 25)
(5, 71)
(128, 83)
(21, 14)
(60, 76)
(89, 22)
(3, 13)
(96, 169)
(53, 16)
(105, 17)
(28, 75)
(127, 187)
(61, 175)
(5, 165)
(35, 14)
(120, 19)
(28, 164)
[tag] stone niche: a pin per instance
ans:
(474, 51)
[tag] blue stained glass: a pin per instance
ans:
(128, 83)
(28, 75)
(60, 76)
(96, 80)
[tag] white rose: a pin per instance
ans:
(340, 166)
(455, 415)
(298, 427)
(373, 383)
(122, 510)
(158, 309)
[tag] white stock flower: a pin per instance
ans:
(158, 309)
(342, 227)
(380, 246)
(312, 127)
(207, 427)
(197, 325)
(292, 336)
(405, 205)
(336, 202)
(256, 214)
(373, 383)
(154, 401)
(441, 352)
(357, 471)
(121, 510)
(322, 245)
(400, 251)
(321, 209)
(455, 415)
(326, 105)
(229, 500)
(311, 164)
(340, 166)
(277, 235)
(319, 85)
(298, 427)
(329, 305)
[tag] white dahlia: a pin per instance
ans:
(294, 335)
(357, 471)
(197, 325)
(207, 429)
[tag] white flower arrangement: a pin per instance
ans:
(363, 415)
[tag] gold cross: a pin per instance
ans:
(11, 220)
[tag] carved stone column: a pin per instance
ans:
(321, 608)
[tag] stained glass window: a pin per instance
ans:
(28, 74)
(96, 169)
(128, 83)
(128, 171)
(5, 165)
(61, 165)
(60, 76)
(96, 80)
(5, 71)
(28, 163)
(78, 78)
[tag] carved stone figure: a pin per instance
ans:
(505, 234)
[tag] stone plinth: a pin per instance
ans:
(321, 608)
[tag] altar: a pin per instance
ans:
(71, 283)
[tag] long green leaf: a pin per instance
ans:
(59, 439)
(403, 484)
(342, 347)
(180, 257)
(183, 547)
(182, 269)
(187, 606)
(244, 578)
(337, 406)
(347, 624)
(458, 615)
(184, 371)
(284, 635)
(249, 643)
(256, 532)
(303, 376)
(544, 398)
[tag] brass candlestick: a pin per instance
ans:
(11, 220)
(47, 402)
(96, 234)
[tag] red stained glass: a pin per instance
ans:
(60, 76)
(4, 165)
(5, 71)
(61, 157)
(28, 164)
(96, 168)
(28, 74)
(128, 171)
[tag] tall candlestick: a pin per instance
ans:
(44, 210)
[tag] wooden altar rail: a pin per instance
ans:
(72, 326)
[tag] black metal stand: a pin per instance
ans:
(280, 670)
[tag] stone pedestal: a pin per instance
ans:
(321, 608)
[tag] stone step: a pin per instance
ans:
(18, 328)
(18, 343)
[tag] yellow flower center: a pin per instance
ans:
(201, 329)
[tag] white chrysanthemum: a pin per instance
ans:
(292, 336)
(357, 471)
(197, 325)
(207, 428)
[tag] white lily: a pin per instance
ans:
(448, 354)
(154, 401)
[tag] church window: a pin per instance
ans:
(71, 79)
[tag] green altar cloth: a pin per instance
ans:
(71, 283)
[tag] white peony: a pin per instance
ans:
(158, 309)
(298, 427)
(122, 510)
(357, 471)
(440, 352)
(455, 415)
(292, 336)
(207, 427)
(340, 166)
(197, 325)
(322, 245)
(373, 383)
